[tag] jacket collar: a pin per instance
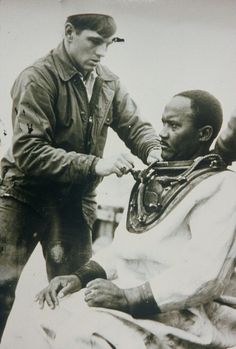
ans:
(66, 69)
(105, 74)
(63, 64)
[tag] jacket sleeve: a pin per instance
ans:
(207, 263)
(138, 135)
(34, 124)
(226, 142)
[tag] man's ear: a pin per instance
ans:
(205, 133)
(69, 30)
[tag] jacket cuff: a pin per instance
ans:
(92, 167)
(82, 166)
(150, 148)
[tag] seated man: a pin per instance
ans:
(166, 281)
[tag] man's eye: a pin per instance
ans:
(95, 42)
(174, 126)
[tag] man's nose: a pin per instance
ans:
(164, 132)
(101, 50)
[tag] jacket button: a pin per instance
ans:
(83, 115)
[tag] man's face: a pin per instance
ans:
(87, 48)
(179, 135)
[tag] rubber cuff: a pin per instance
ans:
(90, 271)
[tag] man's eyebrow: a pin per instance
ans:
(170, 118)
(98, 38)
(101, 40)
(116, 39)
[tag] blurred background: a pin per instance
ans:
(170, 46)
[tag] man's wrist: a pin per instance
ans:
(141, 302)
(90, 271)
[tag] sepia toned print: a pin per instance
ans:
(95, 112)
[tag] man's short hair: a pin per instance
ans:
(207, 109)
(104, 25)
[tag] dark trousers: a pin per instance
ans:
(62, 231)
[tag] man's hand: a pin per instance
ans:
(119, 165)
(154, 155)
(58, 287)
(103, 293)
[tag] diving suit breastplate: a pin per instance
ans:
(162, 185)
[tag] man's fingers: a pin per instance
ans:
(50, 293)
(41, 303)
(119, 165)
(92, 295)
(125, 163)
(54, 296)
(89, 296)
(94, 301)
(49, 300)
(71, 285)
(88, 291)
(68, 288)
(40, 298)
(121, 170)
(128, 157)
(118, 172)
(154, 155)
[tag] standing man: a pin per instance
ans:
(226, 142)
(169, 283)
(62, 107)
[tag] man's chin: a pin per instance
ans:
(166, 156)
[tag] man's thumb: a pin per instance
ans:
(65, 290)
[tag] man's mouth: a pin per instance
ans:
(95, 61)
(164, 145)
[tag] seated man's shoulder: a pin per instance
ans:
(227, 180)
(229, 175)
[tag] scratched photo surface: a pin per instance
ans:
(169, 46)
